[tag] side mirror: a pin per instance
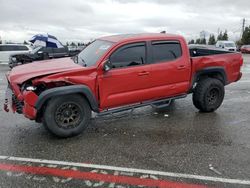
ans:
(75, 59)
(107, 65)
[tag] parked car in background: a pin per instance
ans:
(8, 49)
(38, 53)
(226, 45)
(245, 49)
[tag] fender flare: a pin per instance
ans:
(211, 71)
(64, 90)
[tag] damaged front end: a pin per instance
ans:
(22, 98)
(8, 100)
(21, 101)
(27, 82)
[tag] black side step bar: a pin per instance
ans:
(137, 105)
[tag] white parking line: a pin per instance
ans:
(133, 170)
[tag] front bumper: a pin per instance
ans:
(24, 103)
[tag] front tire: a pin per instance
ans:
(67, 116)
(208, 95)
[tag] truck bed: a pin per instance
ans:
(202, 51)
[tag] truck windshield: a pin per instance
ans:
(90, 55)
(229, 44)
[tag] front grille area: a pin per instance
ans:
(11, 100)
(18, 104)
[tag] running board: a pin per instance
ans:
(138, 105)
(165, 104)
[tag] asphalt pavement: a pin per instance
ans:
(179, 145)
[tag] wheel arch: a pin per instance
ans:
(211, 72)
(83, 90)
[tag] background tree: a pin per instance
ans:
(246, 36)
(67, 43)
(198, 41)
(203, 41)
(72, 44)
(239, 43)
(225, 36)
(220, 36)
(191, 41)
(25, 42)
(211, 40)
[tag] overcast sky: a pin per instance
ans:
(81, 20)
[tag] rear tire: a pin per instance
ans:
(67, 116)
(208, 95)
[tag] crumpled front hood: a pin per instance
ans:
(25, 72)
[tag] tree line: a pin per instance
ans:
(211, 39)
(245, 38)
(75, 44)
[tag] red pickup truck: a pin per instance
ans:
(117, 73)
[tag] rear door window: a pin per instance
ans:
(164, 51)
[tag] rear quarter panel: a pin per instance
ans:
(231, 62)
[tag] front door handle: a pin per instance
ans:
(144, 73)
(181, 67)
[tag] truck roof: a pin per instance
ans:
(142, 36)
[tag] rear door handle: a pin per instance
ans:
(144, 73)
(181, 67)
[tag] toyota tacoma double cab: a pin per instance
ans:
(118, 73)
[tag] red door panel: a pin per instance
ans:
(171, 69)
(124, 86)
(170, 78)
